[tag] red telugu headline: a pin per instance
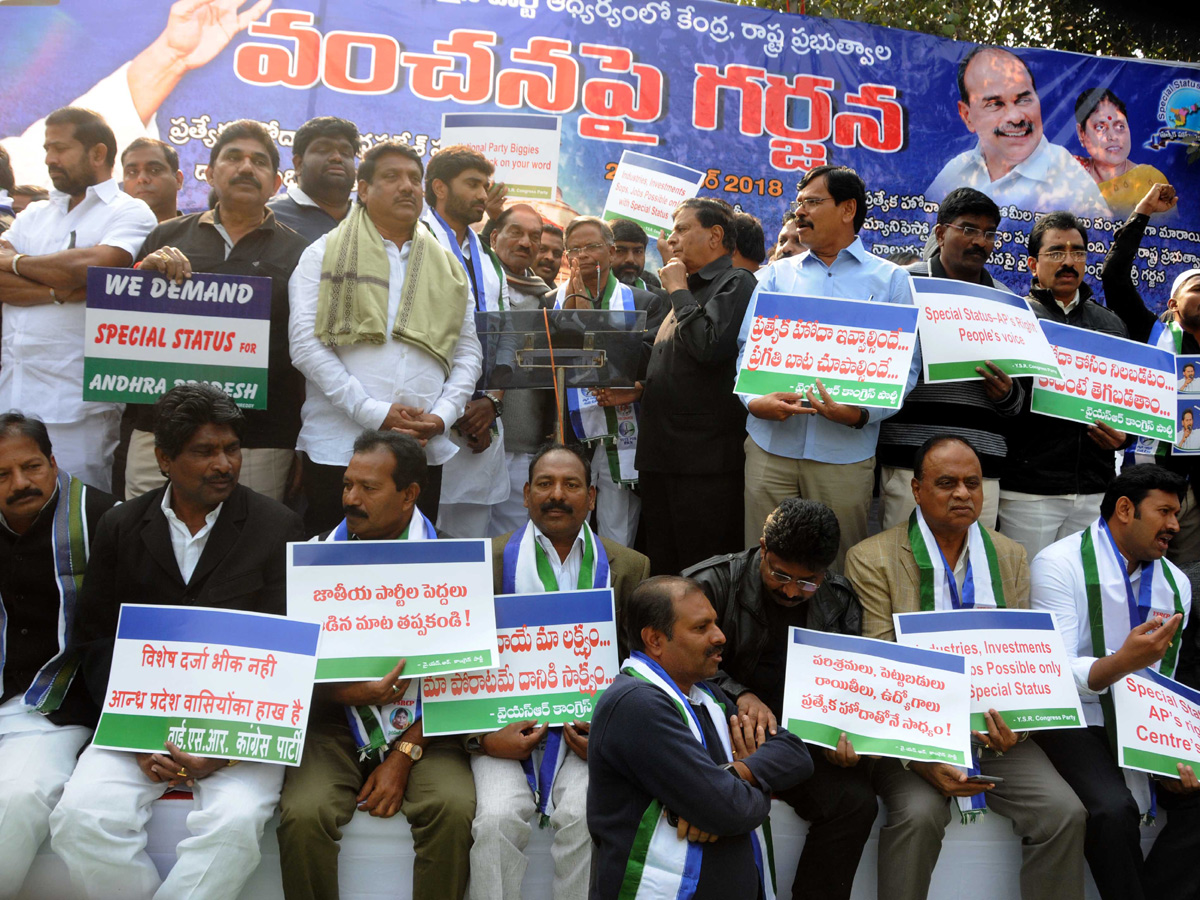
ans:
(881, 715)
(421, 624)
(443, 593)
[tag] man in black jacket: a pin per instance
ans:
(690, 459)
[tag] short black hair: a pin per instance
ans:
(789, 216)
(652, 604)
(804, 532)
(552, 228)
(411, 466)
(629, 232)
(8, 180)
(751, 239)
(17, 424)
(1059, 220)
(450, 162)
(183, 410)
(843, 184)
(245, 128)
(90, 129)
(984, 48)
(366, 169)
(965, 201)
(501, 220)
(932, 444)
(325, 126)
(170, 156)
(710, 212)
(575, 450)
(1136, 483)
(904, 257)
(1086, 103)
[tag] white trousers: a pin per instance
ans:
(617, 509)
(896, 499)
(465, 520)
(1036, 522)
(34, 766)
(504, 805)
(264, 469)
(98, 829)
(85, 448)
(509, 515)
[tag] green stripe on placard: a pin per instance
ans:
(148, 733)
(529, 191)
(139, 381)
(887, 396)
(451, 715)
(1156, 762)
(372, 667)
(1143, 423)
(1031, 719)
(953, 371)
(827, 734)
(652, 230)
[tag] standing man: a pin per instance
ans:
(751, 250)
(690, 459)
(629, 257)
(1090, 580)
(787, 244)
(46, 715)
(551, 248)
(239, 237)
(44, 258)
(323, 156)
(556, 550)
(383, 329)
(150, 169)
(973, 410)
(811, 445)
(942, 559)
(203, 540)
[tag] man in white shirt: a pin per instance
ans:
(390, 378)
(44, 258)
(1189, 437)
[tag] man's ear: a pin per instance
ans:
(591, 497)
(964, 113)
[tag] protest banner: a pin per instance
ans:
(1187, 406)
(1017, 661)
(429, 602)
(522, 147)
(962, 325)
(861, 351)
(647, 190)
(889, 700)
(1158, 723)
(215, 682)
(1124, 383)
(146, 334)
(557, 654)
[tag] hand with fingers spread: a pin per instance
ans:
(828, 408)
(388, 689)
(497, 193)
(516, 740)
(999, 736)
(1105, 436)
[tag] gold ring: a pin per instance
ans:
(182, 773)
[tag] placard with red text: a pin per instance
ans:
(1158, 723)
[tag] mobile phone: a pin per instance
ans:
(984, 779)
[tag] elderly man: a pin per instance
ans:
(150, 172)
(46, 715)
(1089, 581)
(689, 457)
(44, 258)
(323, 156)
(203, 540)
(353, 756)
(1013, 163)
(943, 559)
(556, 550)
(383, 329)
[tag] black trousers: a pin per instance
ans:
(688, 518)
(1173, 864)
(323, 493)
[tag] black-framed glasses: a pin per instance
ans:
(970, 232)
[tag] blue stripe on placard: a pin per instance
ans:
(970, 619)
(838, 312)
(388, 553)
(1109, 346)
(661, 166)
(845, 643)
(1170, 684)
(964, 289)
(217, 626)
(204, 294)
(556, 608)
(499, 120)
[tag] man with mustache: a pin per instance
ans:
(1014, 163)
(629, 257)
(324, 152)
(240, 236)
(46, 715)
(44, 258)
(1098, 583)
(150, 172)
(551, 248)
(556, 550)
(787, 244)
(943, 559)
(203, 540)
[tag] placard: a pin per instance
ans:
(215, 682)
(145, 334)
(557, 654)
(888, 699)
(1018, 663)
(860, 350)
(1158, 723)
(962, 325)
(1187, 406)
(522, 147)
(429, 602)
(647, 190)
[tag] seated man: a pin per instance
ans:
(675, 796)
(202, 540)
(898, 571)
(426, 779)
(46, 715)
(555, 550)
(1089, 581)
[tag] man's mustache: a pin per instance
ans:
(1068, 270)
(552, 505)
(24, 494)
(715, 651)
(354, 512)
(1026, 125)
(247, 179)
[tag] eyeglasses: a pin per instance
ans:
(589, 249)
(970, 232)
(1057, 256)
(811, 203)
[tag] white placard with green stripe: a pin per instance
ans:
(523, 147)
(646, 190)
(429, 602)
(1124, 383)
(557, 654)
(146, 334)
(962, 325)
(889, 700)
(860, 350)
(215, 682)
(1158, 723)
(1018, 663)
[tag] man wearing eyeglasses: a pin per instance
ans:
(1057, 471)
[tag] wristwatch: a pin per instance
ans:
(409, 749)
(497, 405)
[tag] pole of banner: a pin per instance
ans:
(559, 375)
